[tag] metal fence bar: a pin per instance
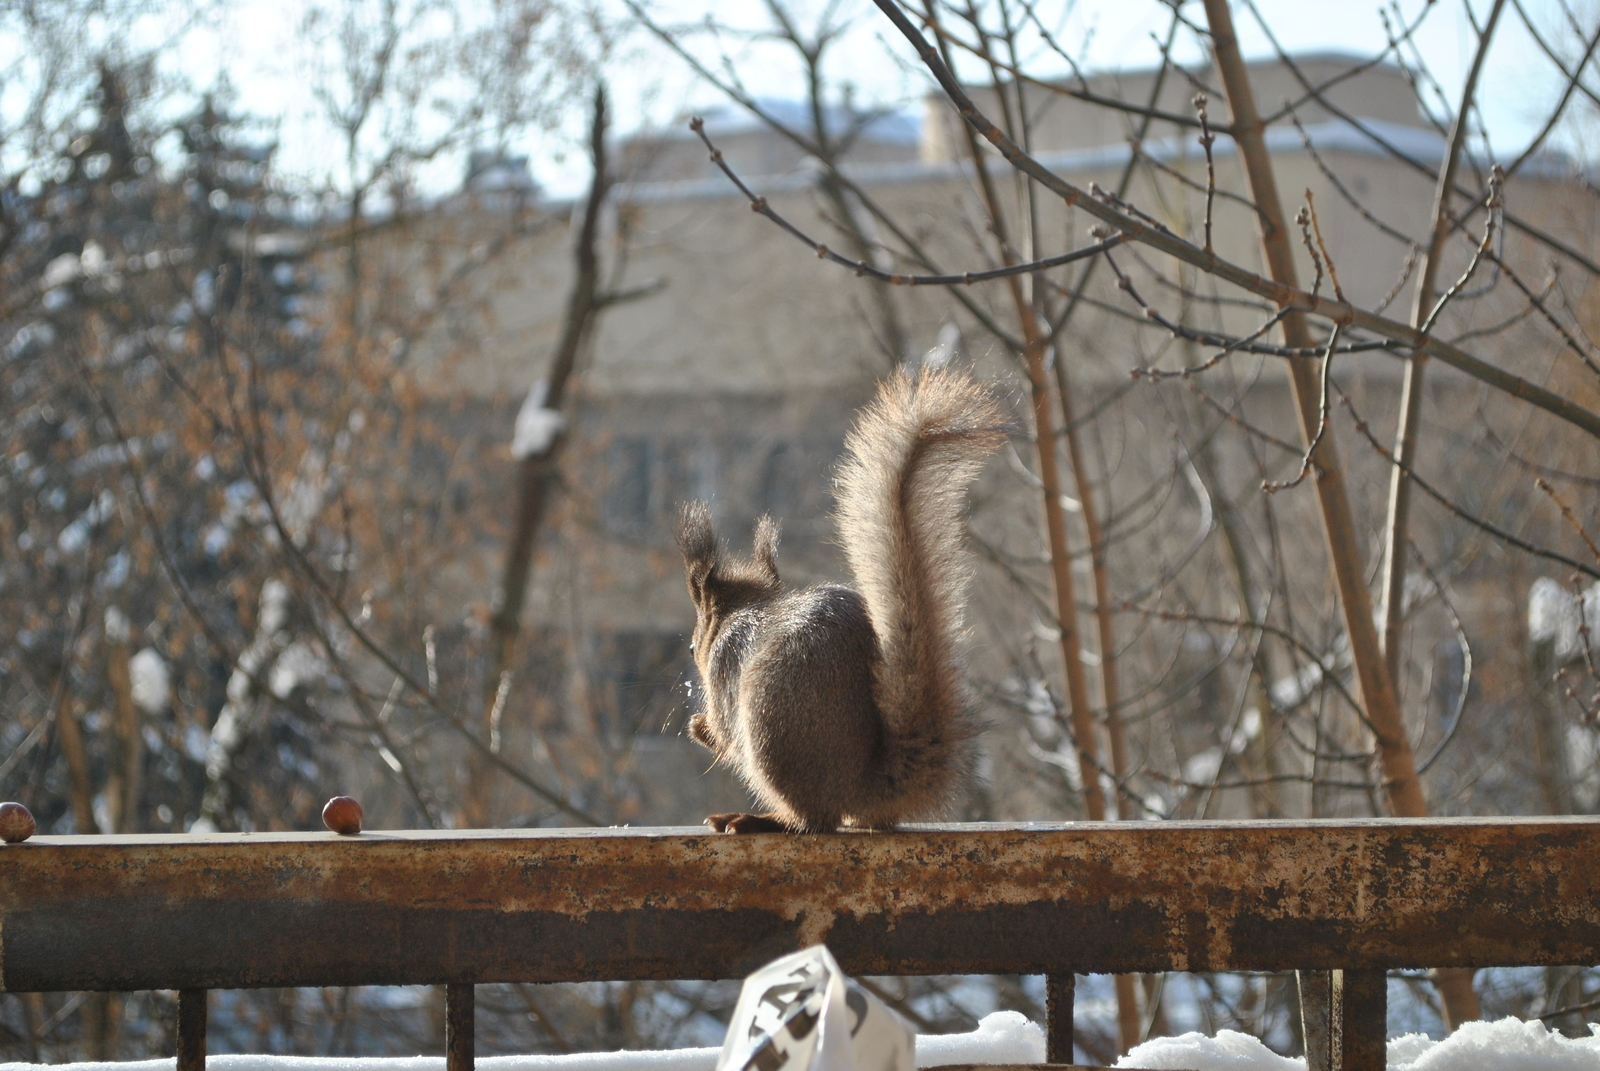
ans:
(1316, 1019)
(1060, 994)
(192, 1013)
(1362, 1006)
(460, 1027)
(244, 910)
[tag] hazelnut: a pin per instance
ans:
(16, 824)
(342, 815)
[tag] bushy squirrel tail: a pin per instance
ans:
(901, 489)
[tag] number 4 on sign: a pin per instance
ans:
(776, 1003)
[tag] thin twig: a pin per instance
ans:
(1490, 330)
(1084, 94)
(1302, 219)
(1238, 421)
(1409, 266)
(1571, 518)
(1444, 500)
(1234, 345)
(1156, 375)
(1271, 487)
(1078, 293)
(1395, 40)
(1482, 250)
(1466, 667)
(1537, 301)
(1329, 672)
(1349, 198)
(1167, 169)
(1316, 229)
(1574, 79)
(1207, 139)
(1574, 1009)
(1591, 711)
(1115, 200)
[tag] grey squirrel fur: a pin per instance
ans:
(839, 705)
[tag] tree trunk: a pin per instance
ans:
(537, 469)
(1402, 787)
(124, 785)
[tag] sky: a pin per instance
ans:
(259, 47)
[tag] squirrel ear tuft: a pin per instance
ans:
(766, 545)
(698, 542)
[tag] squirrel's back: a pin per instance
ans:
(809, 744)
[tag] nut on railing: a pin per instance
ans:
(16, 823)
(342, 814)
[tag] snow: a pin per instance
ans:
(1506, 1045)
(307, 494)
(1291, 691)
(679, 1060)
(1510, 1044)
(152, 683)
(537, 426)
(1004, 1037)
(1007, 1038)
(889, 127)
(299, 663)
(75, 536)
(945, 349)
(59, 272)
(117, 627)
(1554, 616)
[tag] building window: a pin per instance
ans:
(626, 502)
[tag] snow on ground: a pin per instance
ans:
(1008, 1038)
(1005, 1037)
(1507, 1045)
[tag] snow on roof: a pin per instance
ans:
(1336, 56)
(1372, 137)
(894, 126)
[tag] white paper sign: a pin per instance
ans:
(800, 1013)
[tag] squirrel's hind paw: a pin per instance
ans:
(739, 822)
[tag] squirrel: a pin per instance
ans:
(839, 705)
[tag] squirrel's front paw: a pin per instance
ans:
(739, 822)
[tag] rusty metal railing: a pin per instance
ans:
(197, 912)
